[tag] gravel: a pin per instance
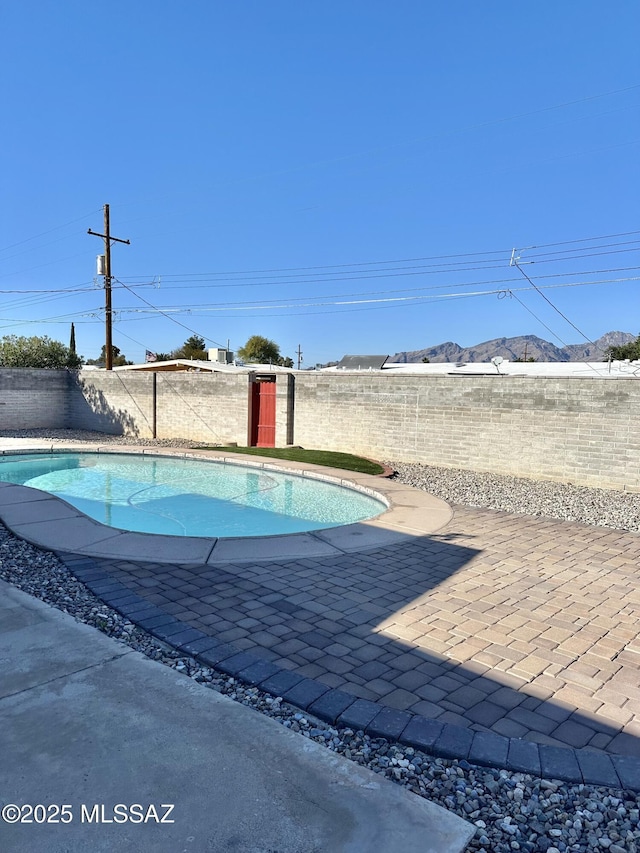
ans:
(600, 507)
(76, 435)
(511, 811)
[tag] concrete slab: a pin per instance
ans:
(69, 534)
(362, 537)
(413, 518)
(112, 727)
(28, 512)
(11, 494)
(150, 546)
(14, 445)
(401, 495)
(35, 649)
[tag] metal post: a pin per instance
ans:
(154, 422)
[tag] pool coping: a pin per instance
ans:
(53, 524)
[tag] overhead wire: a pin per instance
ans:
(555, 308)
(512, 295)
(49, 231)
(467, 263)
(436, 286)
(40, 266)
(388, 302)
(504, 252)
(363, 278)
(196, 279)
(416, 296)
(169, 317)
(564, 344)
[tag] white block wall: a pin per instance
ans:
(33, 399)
(578, 430)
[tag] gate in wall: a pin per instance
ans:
(263, 412)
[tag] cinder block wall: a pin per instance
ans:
(578, 430)
(202, 407)
(208, 407)
(34, 399)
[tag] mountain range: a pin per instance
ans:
(522, 347)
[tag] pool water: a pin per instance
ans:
(186, 497)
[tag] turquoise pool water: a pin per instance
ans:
(186, 497)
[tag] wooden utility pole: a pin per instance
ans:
(299, 354)
(108, 353)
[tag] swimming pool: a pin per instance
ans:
(189, 497)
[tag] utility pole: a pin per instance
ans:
(299, 354)
(108, 353)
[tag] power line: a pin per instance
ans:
(503, 252)
(69, 290)
(550, 330)
(357, 306)
(50, 231)
(514, 261)
(169, 310)
(218, 283)
(567, 251)
(47, 264)
(173, 320)
(467, 263)
(39, 296)
(585, 240)
(511, 294)
(425, 287)
(215, 280)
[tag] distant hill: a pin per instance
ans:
(513, 348)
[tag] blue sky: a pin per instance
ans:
(340, 175)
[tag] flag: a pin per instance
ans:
(150, 356)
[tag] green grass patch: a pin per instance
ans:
(330, 458)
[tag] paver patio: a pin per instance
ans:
(526, 627)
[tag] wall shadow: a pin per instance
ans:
(89, 409)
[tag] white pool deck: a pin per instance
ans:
(54, 525)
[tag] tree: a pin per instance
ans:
(193, 348)
(620, 353)
(118, 359)
(425, 360)
(259, 350)
(36, 352)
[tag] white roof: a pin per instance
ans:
(193, 366)
(602, 370)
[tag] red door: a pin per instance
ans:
(263, 414)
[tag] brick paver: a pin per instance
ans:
(519, 626)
